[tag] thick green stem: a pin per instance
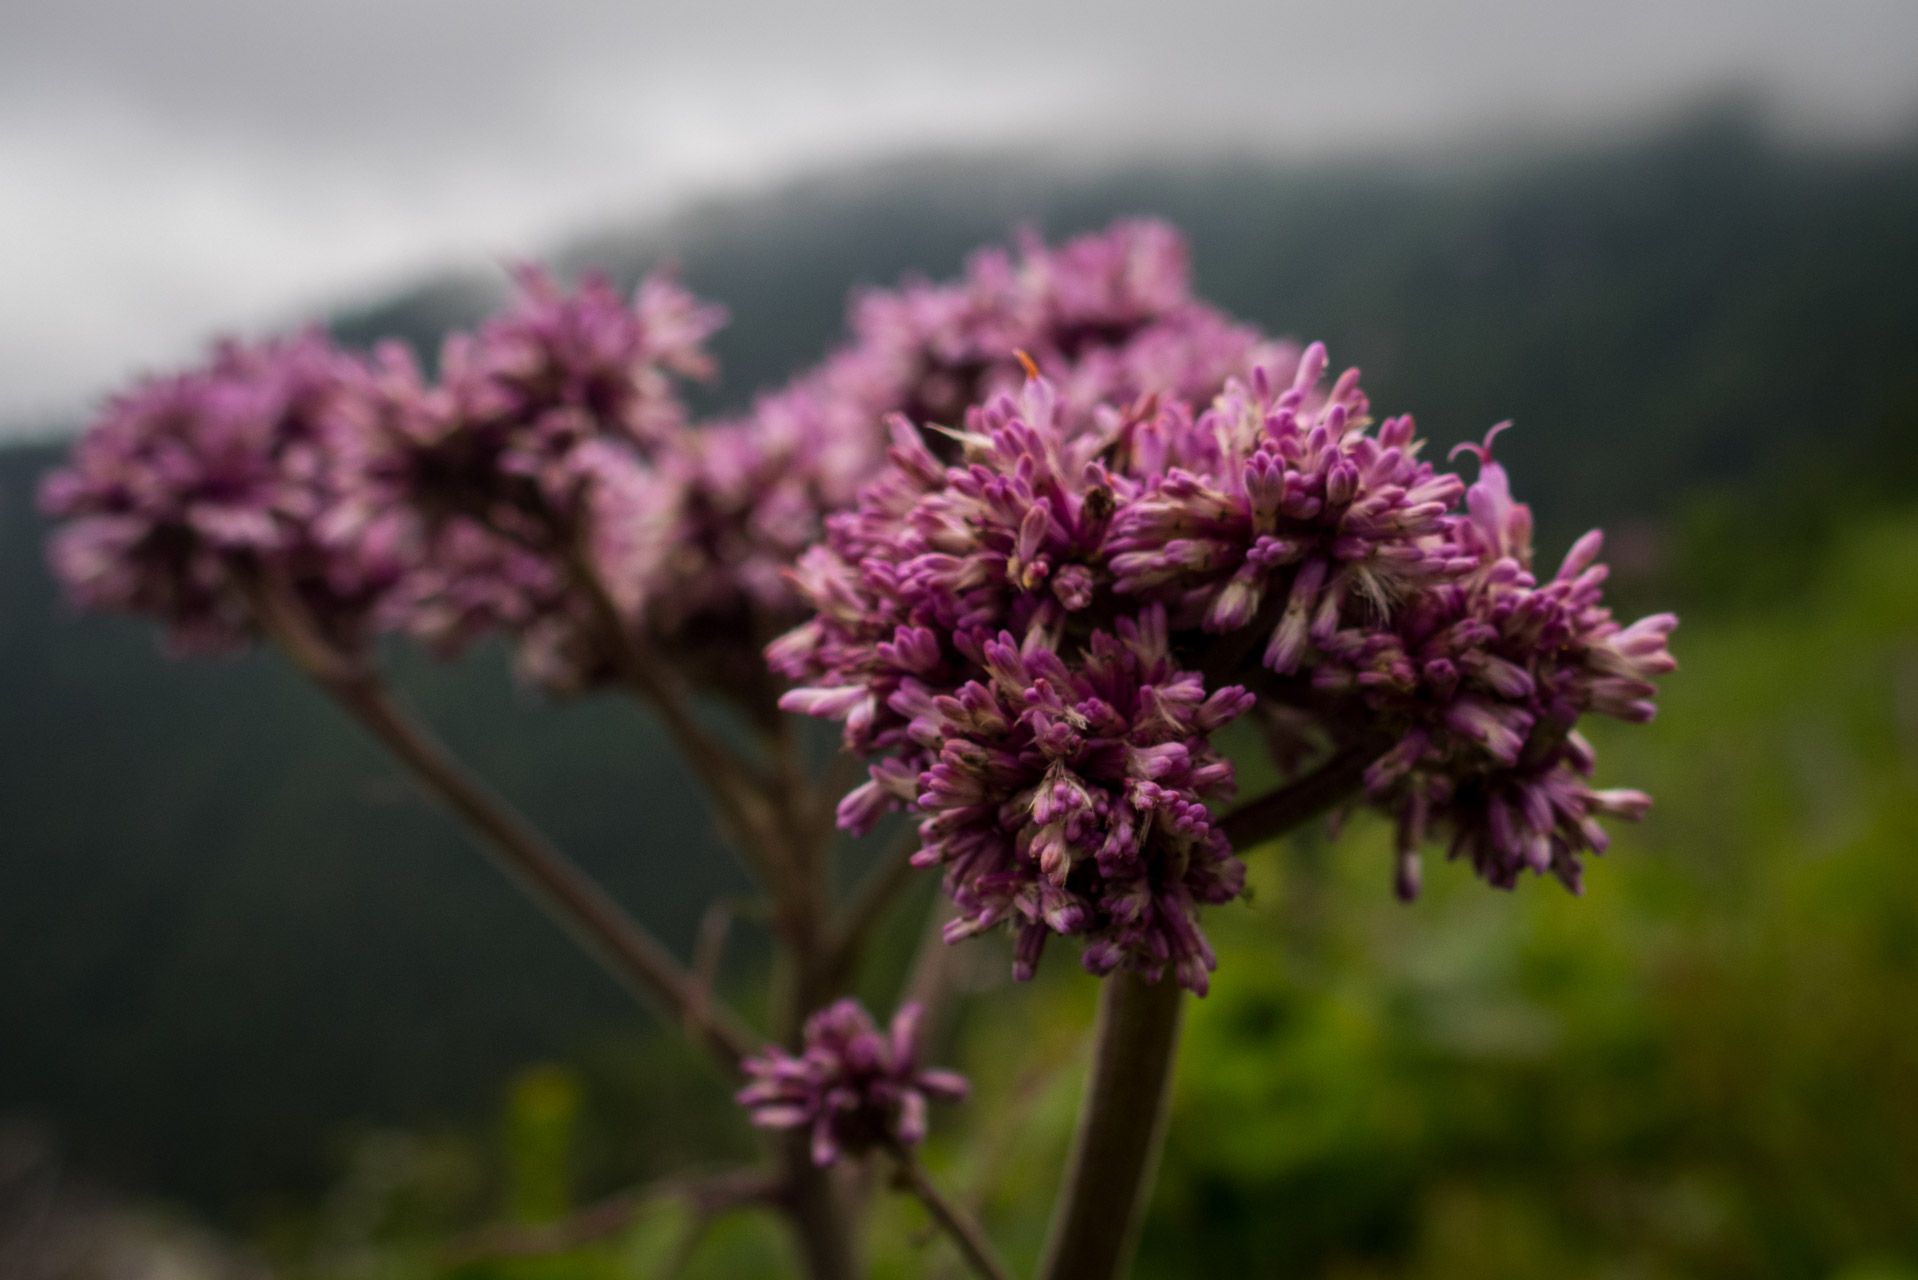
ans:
(1115, 1152)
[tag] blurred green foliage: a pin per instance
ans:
(1706, 1067)
(542, 1129)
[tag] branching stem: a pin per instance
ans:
(965, 1233)
(1285, 809)
(735, 785)
(599, 924)
(767, 814)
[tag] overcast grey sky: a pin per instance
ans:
(169, 168)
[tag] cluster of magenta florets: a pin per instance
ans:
(553, 443)
(1039, 639)
(852, 1086)
(445, 509)
(190, 483)
(1109, 315)
(1035, 536)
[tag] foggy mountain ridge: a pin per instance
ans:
(227, 930)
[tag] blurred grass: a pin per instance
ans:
(1708, 1066)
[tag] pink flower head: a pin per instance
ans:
(1110, 315)
(1485, 678)
(1106, 316)
(1073, 800)
(1020, 636)
(544, 438)
(510, 434)
(562, 366)
(1276, 508)
(190, 487)
(1057, 751)
(852, 1086)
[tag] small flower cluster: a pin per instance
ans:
(1105, 317)
(1278, 488)
(1105, 770)
(1064, 785)
(386, 503)
(194, 488)
(852, 1086)
(1276, 542)
(1485, 676)
(521, 463)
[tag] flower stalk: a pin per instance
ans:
(1121, 1128)
(966, 1234)
(632, 955)
(1122, 1118)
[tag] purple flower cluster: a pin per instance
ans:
(521, 463)
(1484, 677)
(1274, 488)
(552, 449)
(1099, 775)
(1109, 316)
(973, 620)
(1105, 317)
(1059, 755)
(193, 489)
(852, 1086)
(445, 509)
(1127, 522)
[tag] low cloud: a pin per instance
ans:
(212, 164)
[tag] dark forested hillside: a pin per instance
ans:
(227, 929)
(228, 926)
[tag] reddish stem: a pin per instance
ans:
(570, 896)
